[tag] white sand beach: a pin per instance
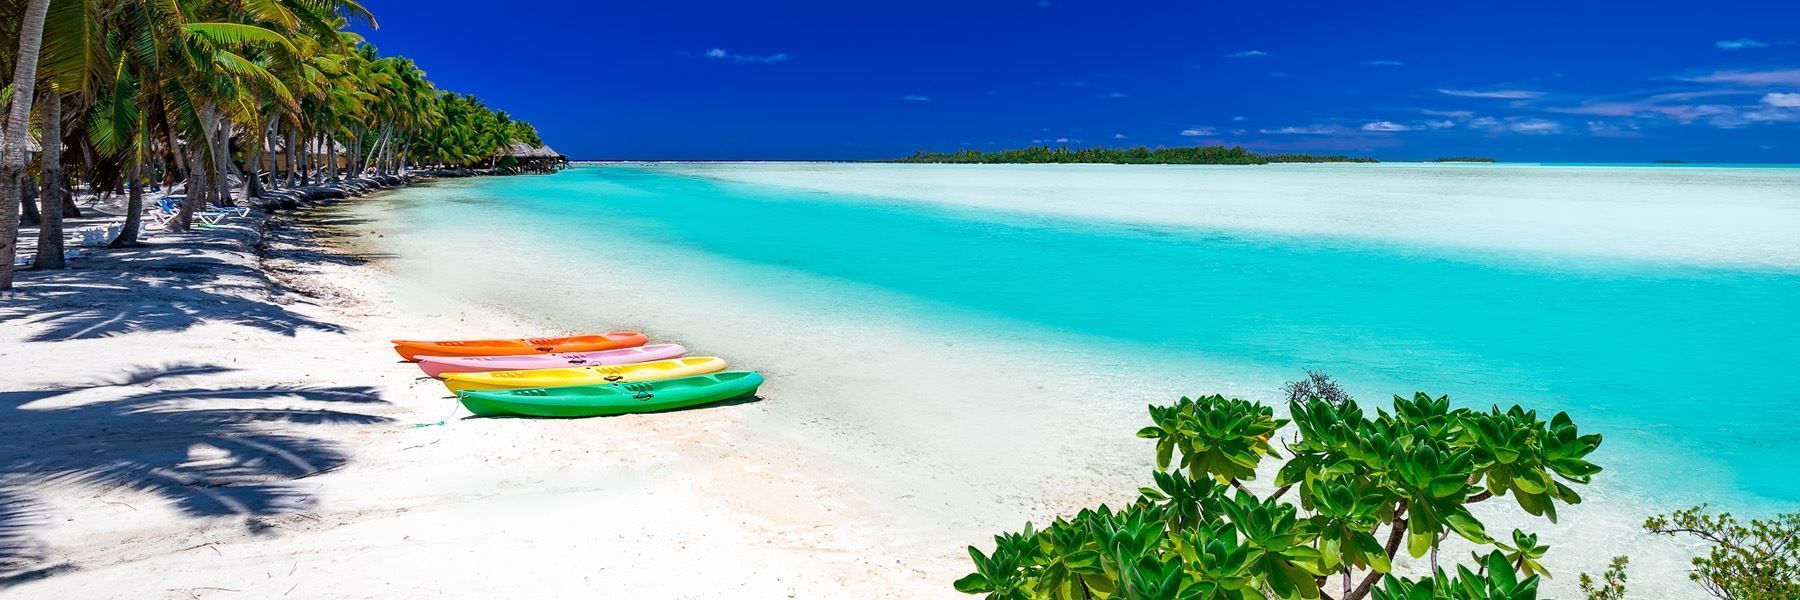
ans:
(183, 426)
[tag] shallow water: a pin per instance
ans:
(1678, 343)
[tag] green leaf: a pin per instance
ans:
(234, 34)
(974, 583)
(1374, 553)
(1417, 544)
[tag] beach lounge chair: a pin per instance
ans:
(171, 206)
(240, 211)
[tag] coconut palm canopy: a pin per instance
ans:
(196, 90)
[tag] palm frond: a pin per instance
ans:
(236, 34)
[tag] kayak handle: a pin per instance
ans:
(640, 391)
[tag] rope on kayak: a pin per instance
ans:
(456, 407)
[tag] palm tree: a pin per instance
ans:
(199, 90)
(12, 146)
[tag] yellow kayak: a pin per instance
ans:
(595, 375)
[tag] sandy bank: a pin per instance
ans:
(190, 419)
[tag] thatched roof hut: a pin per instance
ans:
(523, 151)
(533, 158)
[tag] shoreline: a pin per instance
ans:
(351, 497)
(264, 440)
(1025, 432)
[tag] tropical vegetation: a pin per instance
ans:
(1757, 560)
(1354, 491)
(266, 93)
(1141, 155)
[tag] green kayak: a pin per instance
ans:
(612, 398)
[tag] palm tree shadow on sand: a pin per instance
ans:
(154, 291)
(210, 451)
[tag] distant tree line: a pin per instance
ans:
(1141, 155)
(1479, 159)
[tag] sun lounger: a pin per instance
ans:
(171, 206)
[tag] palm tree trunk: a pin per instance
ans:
(331, 163)
(28, 198)
(268, 152)
(297, 145)
(293, 159)
(319, 157)
(252, 183)
(218, 147)
(198, 188)
(374, 155)
(12, 147)
(352, 153)
(50, 230)
(306, 158)
(134, 206)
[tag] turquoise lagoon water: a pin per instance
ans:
(1688, 367)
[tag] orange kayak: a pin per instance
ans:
(587, 342)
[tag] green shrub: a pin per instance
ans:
(1354, 488)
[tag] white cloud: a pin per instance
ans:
(1775, 108)
(1115, 95)
(1686, 96)
(1062, 140)
(1613, 130)
(1238, 118)
(1685, 113)
(1119, 136)
(1773, 115)
(721, 54)
(1199, 132)
(1778, 77)
(1385, 63)
(1385, 126)
(1453, 114)
(915, 98)
(1518, 125)
(1307, 130)
(1780, 100)
(1439, 124)
(1247, 54)
(1535, 126)
(1739, 44)
(1500, 94)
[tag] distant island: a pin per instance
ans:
(1475, 159)
(1188, 155)
(1671, 161)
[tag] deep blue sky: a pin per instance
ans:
(1572, 80)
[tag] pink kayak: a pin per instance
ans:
(436, 365)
